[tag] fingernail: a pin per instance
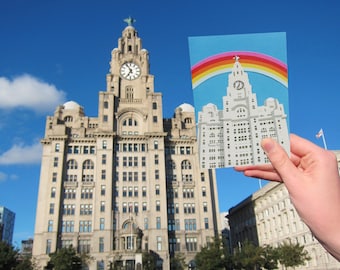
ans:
(267, 145)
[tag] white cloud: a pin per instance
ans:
(21, 154)
(29, 92)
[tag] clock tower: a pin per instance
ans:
(126, 181)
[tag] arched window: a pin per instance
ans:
(88, 165)
(186, 165)
(72, 164)
(68, 119)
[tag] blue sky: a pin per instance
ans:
(54, 51)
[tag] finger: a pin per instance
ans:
(301, 147)
(280, 160)
(263, 167)
(267, 175)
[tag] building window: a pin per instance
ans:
(51, 209)
(155, 145)
(84, 246)
(191, 243)
(85, 226)
(53, 190)
(205, 207)
(85, 209)
(206, 223)
(69, 209)
(105, 118)
(67, 226)
(190, 224)
(57, 147)
(158, 223)
(104, 144)
(202, 177)
(54, 177)
(104, 159)
(106, 104)
(144, 206)
(72, 164)
(50, 226)
(154, 105)
(159, 243)
(86, 193)
(102, 190)
(102, 206)
(157, 174)
(156, 159)
(186, 165)
(88, 165)
(48, 246)
(204, 192)
(143, 161)
(55, 162)
(103, 175)
(101, 244)
(158, 206)
(146, 223)
(155, 119)
(143, 176)
(157, 192)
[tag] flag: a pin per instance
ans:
(319, 134)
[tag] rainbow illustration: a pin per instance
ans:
(250, 61)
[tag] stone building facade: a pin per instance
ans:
(127, 181)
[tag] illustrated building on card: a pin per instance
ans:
(232, 136)
(240, 90)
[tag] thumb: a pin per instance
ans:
(279, 159)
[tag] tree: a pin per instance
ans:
(248, 257)
(270, 257)
(8, 256)
(66, 259)
(149, 260)
(177, 262)
(292, 255)
(212, 256)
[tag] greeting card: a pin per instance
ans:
(240, 89)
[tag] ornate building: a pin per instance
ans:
(127, 181)
(232, 136)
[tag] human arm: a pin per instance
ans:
(312, 179)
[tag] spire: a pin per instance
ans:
(130, 21)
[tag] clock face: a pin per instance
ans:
(130, 71)
(238, 85)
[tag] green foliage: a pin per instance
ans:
(8, 256)
(248, 256)
(212, 256)
(66, 259)
(178, 262)
(270, 257)
(149, 260)
(292, 255)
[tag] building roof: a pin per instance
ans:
(186, 107)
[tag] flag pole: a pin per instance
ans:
(322, 134)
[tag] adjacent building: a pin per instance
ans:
(231, 136)
(126, 181)
(7, 219)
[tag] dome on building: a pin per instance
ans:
(186, 107)
(71, 105)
